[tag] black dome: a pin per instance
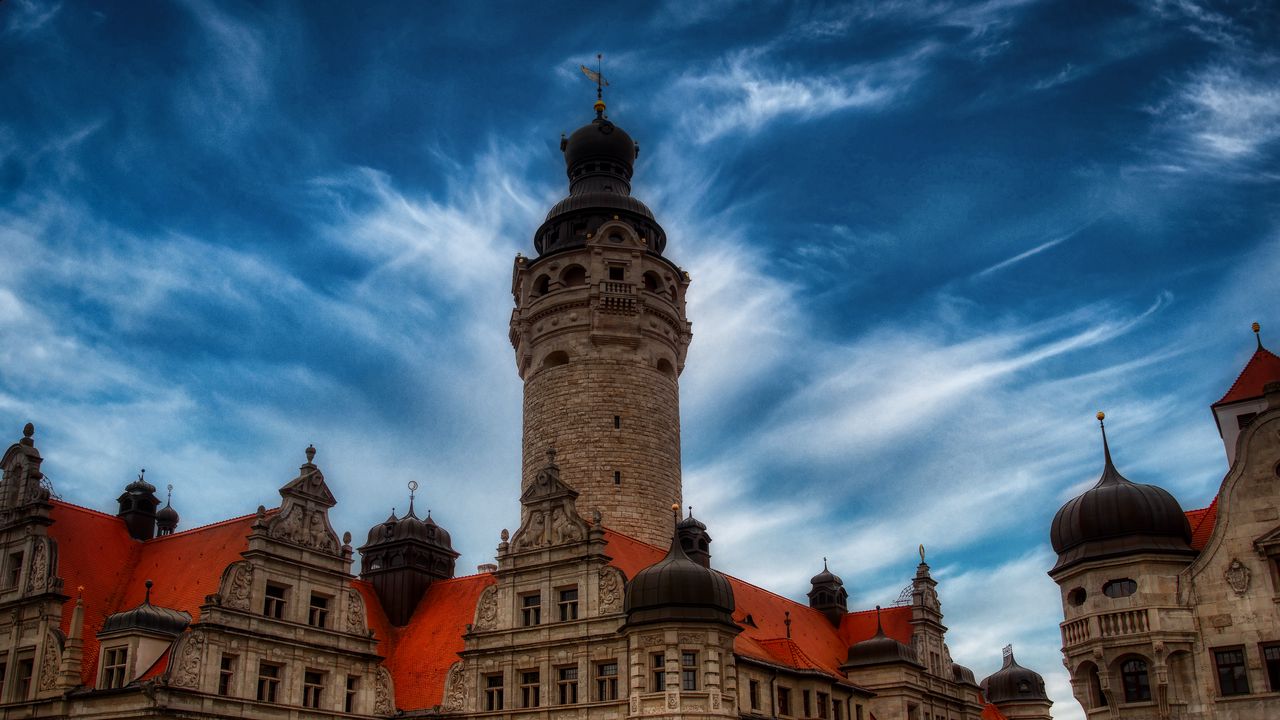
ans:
(410, 527)
(679, 589)
(1013, 683)
(167, 517)
(1118, 517)
(879, 649)
(148, 618)
(600, 141)
(826, 577)
(599, 199)
(962, 674)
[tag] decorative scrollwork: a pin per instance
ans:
(382, 693)
(355, 612)
(1237, 576)
(240, 589)
(455, 693)
(611, 590)
(50, 662)
(186, 672)
(487, 609)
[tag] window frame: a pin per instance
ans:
(530, 688)
(318, 615)
(494, 695)
(1141, 690)
(1270, 670)
(13, 570)
(352, 696)
(567, 685)
(273, 605)
(1240, 670)
(226, 674)
(1124, 584)
(606, 684)
(115, 666)
(531, 613)
(658, 672)
(689, 671)
(269, 684)
(784, 700)
(824, 702)
(313, 684)
(753, 694)
(23, 683)
(567, 607)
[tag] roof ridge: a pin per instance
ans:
(209, 526)
(1261, 352)
(74, 506)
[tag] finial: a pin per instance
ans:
(1008, 653)
(1106, 449)
(28, 430)
(346, 538)
(675, 511)
(311, 452)
(142, 475)
(168, 500)
(79, 591)
(824, 563)
(413, 488)
(879, 627)
(505, 535)
(148, 584)
(787, 622)
(921, 553)
(1257, 334)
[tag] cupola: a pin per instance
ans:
(138, 505)
(147, 618)
(694, 539)
(1117, 517)
(167, 517)
(827, 595)
(403, 556)
(677, 589)
(1013, 683)
(879, 649)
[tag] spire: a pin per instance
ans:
(1110, 475)
(1106, 449)
(879, 626)
(1257, 334)
(1008, 656)
(413, 488)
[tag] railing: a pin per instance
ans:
(617, 288)
(1125, 622)
(1076, 632)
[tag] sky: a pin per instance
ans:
(928, 241)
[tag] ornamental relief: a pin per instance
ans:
(186, 671)
(1237, 576)
(239, 587)
(301, 526)
(50, 662)
(487, 610)
(355, 613)
(455, 689)
(38, 574)
(559, 526)
(611, 590)
(382, 693)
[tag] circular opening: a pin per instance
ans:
(664, 366)
(541, 285)
(574, 275)
(1120, 588)
(555, 359)
(1076, 597)
(652, 283)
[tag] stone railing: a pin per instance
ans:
(1076, 632)
(1125, 622)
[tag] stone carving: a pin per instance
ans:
(38, 574)
(355, 612)
(692, 638)
(564, 529)
(1237, 576)
(635, 704)
(241, 586)
(715, 700)
(487, 609)
(532, 535)
(382, 693)
(308, 528)
(50, 662)
(455, 689)
(673, 701)
(611, 590)
(190, 654)
(649, 640)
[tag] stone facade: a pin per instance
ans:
(1155, 636)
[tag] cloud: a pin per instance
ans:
(1228, 115)
(26, 17)
(1029, 253)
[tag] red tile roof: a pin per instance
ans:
(1202, 522)
(1262, 368)
(991, 712)
(95, 552)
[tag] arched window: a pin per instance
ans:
(574, 275)
(555, 359)
(652, 283)
(1137, 684)
(1119, 588)
(541, 285)
(664, 366)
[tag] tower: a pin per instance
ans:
(138, 505)
(402, 557)
(828, 596)
(600, 335)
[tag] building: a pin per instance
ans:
(1172, 614)
(603, 603)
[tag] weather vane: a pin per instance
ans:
(597, 75)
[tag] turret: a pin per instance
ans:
(402, 557)
(138, 505)
(694, 540)
(1246, 398)
(828, 596)
(1017, 691)
(167, 518)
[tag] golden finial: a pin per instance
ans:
(1257, 327)
(1257, 334)
(922, 553)
(1101, 416)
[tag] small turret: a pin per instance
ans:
(138, 505)
(694, 539)
(402, 557)
(827, 595)
(677, 589)
(167, 517)
(1017, 691)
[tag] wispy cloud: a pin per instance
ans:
(27, 17)
(1029, 253)
(1228, 115)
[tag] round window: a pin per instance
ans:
(1077, 596)
(1120, 588)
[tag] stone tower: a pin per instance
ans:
(600, 336)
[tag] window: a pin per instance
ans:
(569, 604)
(273, 605)
(1077, 596)
(318, 612)
(226, 674)
(607, 681)
(15, 570)
(353, 690)
(1137, 686)
(688, 670)
(493, 700)
(658, 663)
(837, 708)
(1270, 659)
(1119, 588)
(567, 685)
(753, 692)
(823, 702)
(22, 681)
(268, 682)
(4, 669)
(115, 662)
(1233, 678)
(1244, 420)
(529, 695)
(857, 712)
(808, 703)
(616, 273)
(531, 609)
(617, 422)
(617, 477)
(312, 688)
(784, 701)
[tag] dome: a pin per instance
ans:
(1013, 683)
(167, 517)
(880, 649)
(962, 674)
(599, 199)
(678, 589)
(410, 527)
(148, 618)
(826, 577)
(1117, 517)
(600, 141)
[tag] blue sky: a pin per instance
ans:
(928, 240)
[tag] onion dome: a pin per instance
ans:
(677, 589)
(827, 594)
(694, 539)
(599, 160)
(880, 649)
(962, 675)
(1013, 683)
(1117, 517)
(166, 517)
(147, 618)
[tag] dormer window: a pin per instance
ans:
(115, 664)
